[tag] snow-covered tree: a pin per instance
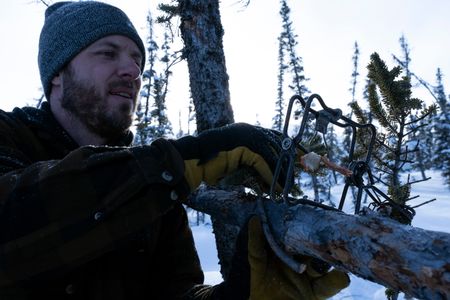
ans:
(144, 105)
(152, 121)
(441, 124)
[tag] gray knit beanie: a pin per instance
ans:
(72, 26)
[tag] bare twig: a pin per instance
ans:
(426, 202)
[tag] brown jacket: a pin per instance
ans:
(90, 222)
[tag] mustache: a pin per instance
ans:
(122, 84)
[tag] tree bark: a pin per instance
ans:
(202, 33)
(402, 257)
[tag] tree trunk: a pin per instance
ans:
(405, 258)
(202, 33)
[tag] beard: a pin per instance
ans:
(87, 104)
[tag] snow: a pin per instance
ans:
(433, 216)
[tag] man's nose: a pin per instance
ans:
(128, 69)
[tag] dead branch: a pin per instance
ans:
(426, 202)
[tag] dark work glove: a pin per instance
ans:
(218, 152)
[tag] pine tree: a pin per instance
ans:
(144, 106)
(278, 119)
(289, 64)
(392, 112)
(355, 74)
(295, 67)
(334, 150)
(406, 56)
(160, 125)
(348, 131)
(404, 63)
(444, 105)
(152, 120)
(441, 126)
(422, 138)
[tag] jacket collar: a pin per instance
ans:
(42, 120)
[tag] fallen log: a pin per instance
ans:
(412, 260)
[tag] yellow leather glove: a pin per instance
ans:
(270, 278)
(218, 152)
(224, 163)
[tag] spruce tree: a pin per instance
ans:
(392, 106)
(278, 119)
(144, 106)
(406, 56)
(290, 44)
(334, 150)
(404, 63)
(152, 120)
(355, 73)
(441, 126)
(422, 137)
(348, 132)
(289, 64)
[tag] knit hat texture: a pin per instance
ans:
(70, 27)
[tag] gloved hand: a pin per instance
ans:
(270, 278)
(218, 152)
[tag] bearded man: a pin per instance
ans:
(83, 215)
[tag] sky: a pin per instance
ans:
(326, 29)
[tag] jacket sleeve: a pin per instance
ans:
(58, 214)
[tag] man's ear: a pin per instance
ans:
(56, 86)
(56, 81)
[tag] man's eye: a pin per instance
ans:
(109, 54)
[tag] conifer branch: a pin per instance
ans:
(414, 129)
(412, 198)
(419, 180)
(422, 117)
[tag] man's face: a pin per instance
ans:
(101, 85)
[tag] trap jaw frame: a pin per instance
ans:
(362, 178)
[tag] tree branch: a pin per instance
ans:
(376, 248)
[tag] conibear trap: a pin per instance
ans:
(358, 163)
(361, 176)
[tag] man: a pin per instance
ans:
(85, 216)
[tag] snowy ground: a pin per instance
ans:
(433, 216)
